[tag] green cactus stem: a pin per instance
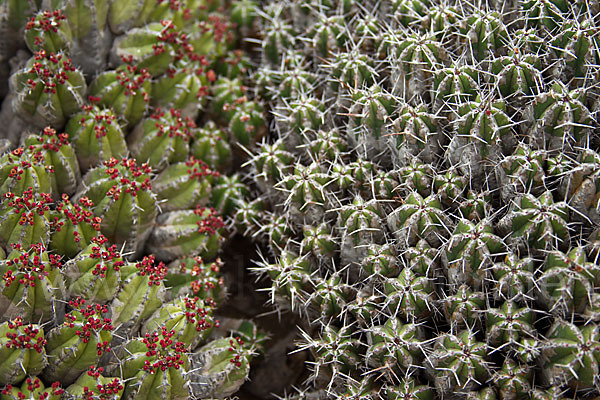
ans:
(570, 355)
(187, 232)
(21, 169)
(32, 389)
(94, 273)
(190, 276)
(470, 252)
(142, 292)
(458, 362)
(25, 219)
(538, 222)
(49, 89)
(183, 185)
(191, 318)
(96, 136)
(567, 281)
(155, 367)
(48, 31)
(21, 350)
(78, 343)
(121, 193)
(161, 139)
(126, 90)
(74, 226)
(92, 385)
(32, 286)
(220, 367)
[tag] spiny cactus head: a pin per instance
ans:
(32, 388)
(49, 89)
(48, 30)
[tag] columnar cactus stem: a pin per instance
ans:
(94, 274)
(24, 220)
(126, 90)
(79, 342)
(32, 286)
(122, 197)
(49, 89)
(96, 136)
(155, 366)
(22, 350)
(32, 389)
(187, 232)
(91, 385)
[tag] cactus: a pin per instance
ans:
(183, 185)
(184, 86)
(92, 385)
(96, 136)
(470, 252)
(508, 324)
(141, 293)
(49, 89)
(59, 157)
(191, 276)
(22, 350)
(567, 281)
(396, 346)
(220, 367)
(414, 59)
(48, 31)
(409, 296)
(190, 318)
(522, 172)
(32, 286)
(121, 192)
(559, 118)
(538, 222)
(162, 42)
(484, 34)
(514, 278)
(464, 308)
(409, 388)
(152, 359)
(416, 133)
(22, 169)
(570, 355)
(211, 146)
(361, 223)
(161, 139)
(25, 219)
(126, 90)
(78, 343)
(459, 362)
(482, 133)
(514, 380)
(419, 218)
(74, 226)
(32, 388)
(193, 232)
(94, 274)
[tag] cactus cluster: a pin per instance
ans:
(421, 179)
(116, 168)
(428, 197)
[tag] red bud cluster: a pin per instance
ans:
(210, 223)
(29, 265)
(29, 339)
(165, 352)
(156, 273)
(89, 320)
